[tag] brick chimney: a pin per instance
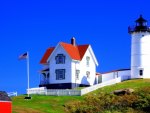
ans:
(73, 41)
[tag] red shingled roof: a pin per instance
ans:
(75, 52)
(46, 55)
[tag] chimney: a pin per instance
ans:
(73, 41)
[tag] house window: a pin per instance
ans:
(87, 60)
(77, 74)
(60, 59)
(141, 72)
(88, 74)
(116, 74)
(60, 74)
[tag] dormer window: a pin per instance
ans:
(87, 60)
(60, 59)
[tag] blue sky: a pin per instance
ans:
(36, 25)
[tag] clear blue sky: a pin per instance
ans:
(27, 25)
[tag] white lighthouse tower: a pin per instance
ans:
(140, 49)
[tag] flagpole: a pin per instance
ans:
(28, 72)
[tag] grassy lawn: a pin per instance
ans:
(42, 104)
(134, 84)
(54, 104)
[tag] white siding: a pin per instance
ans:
(83, 69)
(53, 66)
(107, 76)
(71, 66)
(140, 54)
(123, 74)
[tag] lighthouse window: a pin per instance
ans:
(141, 72)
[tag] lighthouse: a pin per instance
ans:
(140, 49)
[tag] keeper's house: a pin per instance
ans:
(67, 66)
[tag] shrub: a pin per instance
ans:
(138, 102)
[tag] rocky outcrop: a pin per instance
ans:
(123, 91)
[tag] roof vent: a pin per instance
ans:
(73, 41)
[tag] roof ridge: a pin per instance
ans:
(78, 51)
(83, 45)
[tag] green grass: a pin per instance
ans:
(55, 104)
(134, 84)
(42, 104)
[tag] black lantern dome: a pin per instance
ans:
(141, 26)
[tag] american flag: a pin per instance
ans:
(23, 56)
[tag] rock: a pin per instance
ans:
(123, 91)
(129, 90)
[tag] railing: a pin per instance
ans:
(132, 29)
(62, 92)
(56, 92)
(11, 94)
(39, 90)
(95, 87)
(71, 92)
(43, 82)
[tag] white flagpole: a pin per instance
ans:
(28, 72)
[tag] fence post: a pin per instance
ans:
(16, 93)
(57, 92)
(45, 91)
(69, 92)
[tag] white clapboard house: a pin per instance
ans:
(68, 65)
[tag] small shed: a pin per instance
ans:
(5, 103)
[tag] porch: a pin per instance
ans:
(44, 77)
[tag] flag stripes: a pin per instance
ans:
(23, 56)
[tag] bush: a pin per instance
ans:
(138, 102)
(143, 101)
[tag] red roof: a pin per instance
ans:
(75, 52)
(98, 74)
(46, 55)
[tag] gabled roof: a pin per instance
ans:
(75, 52)
(141, 19)
(46, 55)
(4, 96)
